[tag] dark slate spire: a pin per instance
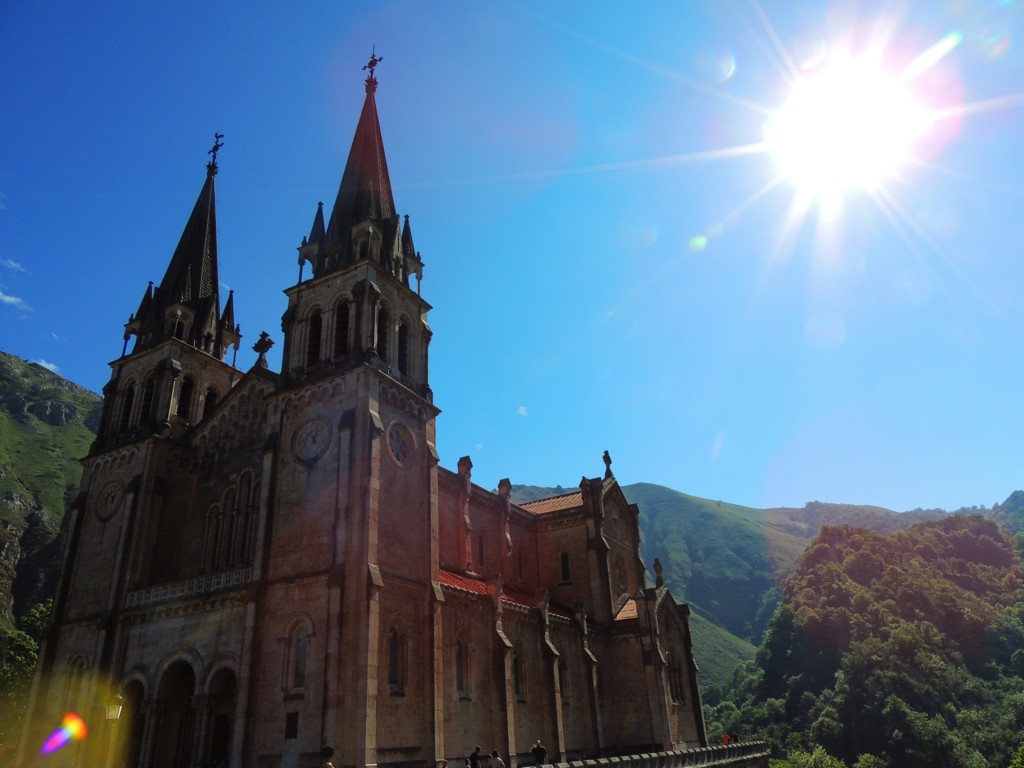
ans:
(186, 304)
(365, 191)
(316, 233)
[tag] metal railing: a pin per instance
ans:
(200, 585)
(744, 753)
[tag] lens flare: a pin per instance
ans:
(72, 728)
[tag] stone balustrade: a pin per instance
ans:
(200, 585)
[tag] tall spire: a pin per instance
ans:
(186, 304)
(365, 191)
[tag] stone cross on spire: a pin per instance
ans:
(371, 81)
(217, 144)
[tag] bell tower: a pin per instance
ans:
(362, 305)
(356, 469)
(175, 373)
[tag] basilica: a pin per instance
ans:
(272, 569)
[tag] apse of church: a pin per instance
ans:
(272, 568)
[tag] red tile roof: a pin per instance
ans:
(510, 597)
(627, 611)
(554, 503)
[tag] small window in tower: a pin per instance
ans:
(209, 402)
(127, 401)
(341, 329)
(403, 349)
(462, 669)
(291, 725)
(185, 398)
(178, 331)
(147, 400)
(396, 661)
(313, 339)
(480, 552)
(383, 329)
(299, 668)
(566, 571)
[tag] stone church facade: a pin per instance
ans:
(272, 567)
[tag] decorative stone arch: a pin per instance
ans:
(296, 644)
(175, 718)
(220, 691)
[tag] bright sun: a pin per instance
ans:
(849, 125)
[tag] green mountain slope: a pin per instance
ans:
(908, 647)
(717, 651)
(46, 424)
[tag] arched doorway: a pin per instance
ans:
(130, 727)
(172, 746)
(221, 714)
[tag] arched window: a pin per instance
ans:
(396, 660)
(185, 398)
(246, 507)
(341, 329)
(316, 326)
(299, 662)
(209, 402)
(213, 537)
(127, 401)
(178, 329)
(566, 570)
(148, 391)
(230, 518)
(73, 687)
(403, 349)
(296, 656)
(460, 668)
(383, 328)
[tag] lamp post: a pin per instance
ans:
(112, 708)
(114, 705)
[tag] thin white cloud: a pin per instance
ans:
(521, 410)
(14, 301)
(12, 264)
(48, 365)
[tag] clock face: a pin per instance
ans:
(311, 440)
(401, 443)
(109, 500)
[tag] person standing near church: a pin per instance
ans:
(474, 759)
(540, 753)
(496, 761)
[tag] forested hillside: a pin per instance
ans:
(907, 647)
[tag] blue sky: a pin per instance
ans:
(607, 269)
